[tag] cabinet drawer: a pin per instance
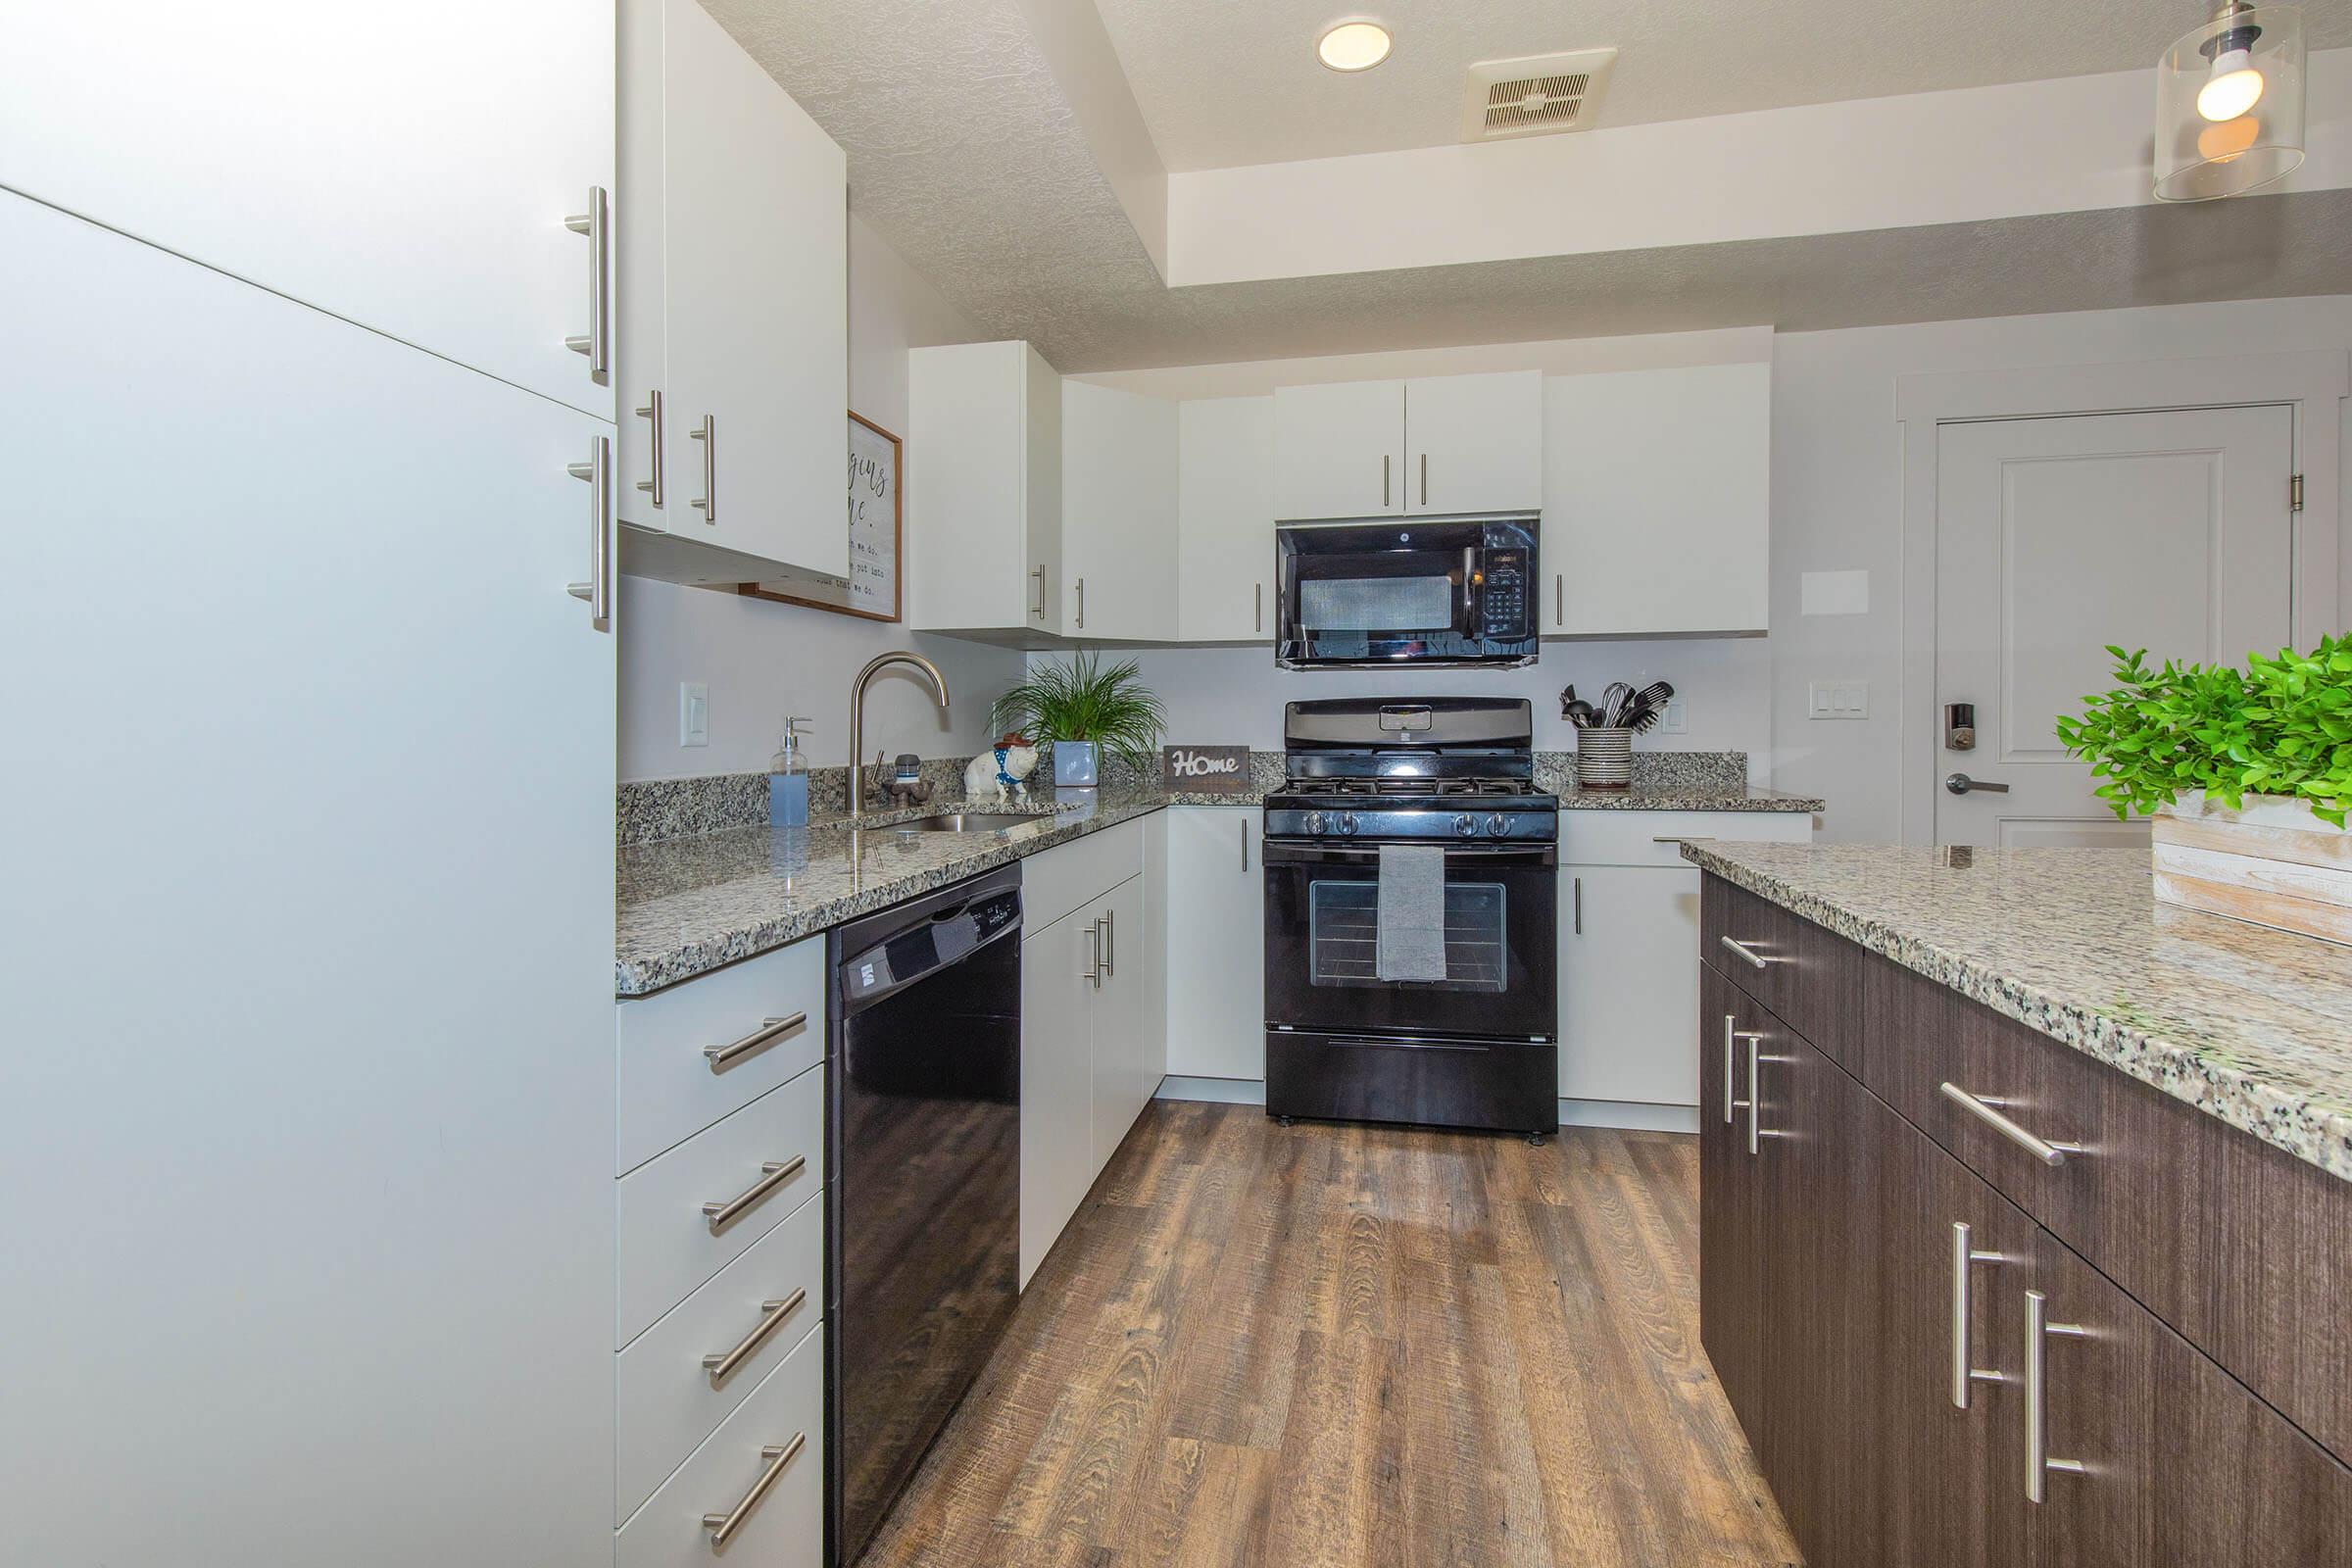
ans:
(670, 1090)
(1810, 976)
(666, 1246)
(1655, 838)
(666, 1399)
(2239, 1247)
(1068, 875)
(785, 1526)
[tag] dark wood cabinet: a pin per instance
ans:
(1884, 1362)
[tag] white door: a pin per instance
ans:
(1338, 449)
(2055, 537)
(1628, 987)
(1474, 442)
(306, 1119)
(1225, 521)
(1056, 1080)
(410, 168)
(755, 264)
(1217, 944)
(1118, 512)
(1117, 1027)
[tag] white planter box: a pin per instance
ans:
(2272, 863)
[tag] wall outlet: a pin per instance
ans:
(694, 714)
(1675, 723)
(1838, 698)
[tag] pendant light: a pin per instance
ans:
(2230, 104)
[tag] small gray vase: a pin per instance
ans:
(1074, 765)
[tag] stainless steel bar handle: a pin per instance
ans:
(772, 1175)
(1093, 962)
(1111, 932)
(1986, 1108)
(1755, 1042)
(1560, 598)
(597, 589)
(1576, 886)
(658, 485)
(1038, 572)
(724, 1525)
(1244, 843)
(1730, 1094)
(2040, 1331)
(707, 434)
(721, 1058)
(1425, 478)
(1964, 1373)
(1082, 604)
(1257, 607)
(1384, 478)
(1757, 959)
(771, 1315)
(597, 343)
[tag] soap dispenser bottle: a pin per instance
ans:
(788, 779)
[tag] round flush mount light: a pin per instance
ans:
(2230, 103)
(1353, 46)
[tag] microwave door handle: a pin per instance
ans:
(1469, 626)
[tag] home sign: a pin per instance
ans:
(1205, 769)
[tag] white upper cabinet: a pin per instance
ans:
(409, 167)
(1474, 442)
(1339, 449)
(1657, 512)
(984, 490)
(1225, 521)
(734, 311)
(1437, 444)
(1119, 488)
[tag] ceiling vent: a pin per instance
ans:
(1535, 95)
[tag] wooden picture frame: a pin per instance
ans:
(816, 594)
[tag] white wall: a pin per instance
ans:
(1836, 503)
(762, 661)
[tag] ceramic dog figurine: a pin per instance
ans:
(1001, 776)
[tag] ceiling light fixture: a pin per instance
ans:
(2230, 104)
(1353, 46)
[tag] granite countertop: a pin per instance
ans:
(690, 904)
(1694, 797)
(2250, 1025)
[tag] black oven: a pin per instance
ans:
(1322, 912)
(1406, 591)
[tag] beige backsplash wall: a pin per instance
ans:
(762, 661)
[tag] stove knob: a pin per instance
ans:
(1347, 825)
(1496, 827)
(1315, 821)
(1464, 825)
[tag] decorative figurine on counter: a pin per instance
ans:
(1002, 777)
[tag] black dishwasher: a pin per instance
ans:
(924, 1128)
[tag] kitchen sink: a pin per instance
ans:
(967, 822)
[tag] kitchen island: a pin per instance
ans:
(2026, 1208)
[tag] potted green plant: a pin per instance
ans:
(2246, 777)
(1085, 708)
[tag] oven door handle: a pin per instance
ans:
(1534, 857)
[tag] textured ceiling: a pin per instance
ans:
(964, 155)
(1223, 82)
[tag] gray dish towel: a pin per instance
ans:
(1413, 912)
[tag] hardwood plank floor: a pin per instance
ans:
(1309, 1345)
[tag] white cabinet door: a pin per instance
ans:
(1217, 944)
(1338, 449)
(1152, 1051)
(409, 167)
(1118, 513)
(756, 267)
(984, 500)
(1116, 1022)
(1474, 442)
(1056, 1080)
(306, 1117)
(1629, 983)
(1225, 521)
(1657, 501)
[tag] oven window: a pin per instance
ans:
(1343, 925)
(1376, 603)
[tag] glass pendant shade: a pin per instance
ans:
(2230, 104)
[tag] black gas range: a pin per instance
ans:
(1475, 1045)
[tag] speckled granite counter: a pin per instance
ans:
(2252, 1026)
(1686, 798)
(690, 904)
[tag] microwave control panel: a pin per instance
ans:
(1502, 611)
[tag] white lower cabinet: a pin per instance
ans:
(1057, 965)
(1216, 946)
(760, 1476)
(1628, 926)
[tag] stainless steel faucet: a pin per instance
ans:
(896, 656)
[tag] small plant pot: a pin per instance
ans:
(1074, 763)
(1604, 759)
(2271, 862)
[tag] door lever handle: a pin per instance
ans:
(1962, 784)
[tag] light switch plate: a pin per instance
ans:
(1838, 698)
(1675, 722)
(694, 714)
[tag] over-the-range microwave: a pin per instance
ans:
(1376, 593)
